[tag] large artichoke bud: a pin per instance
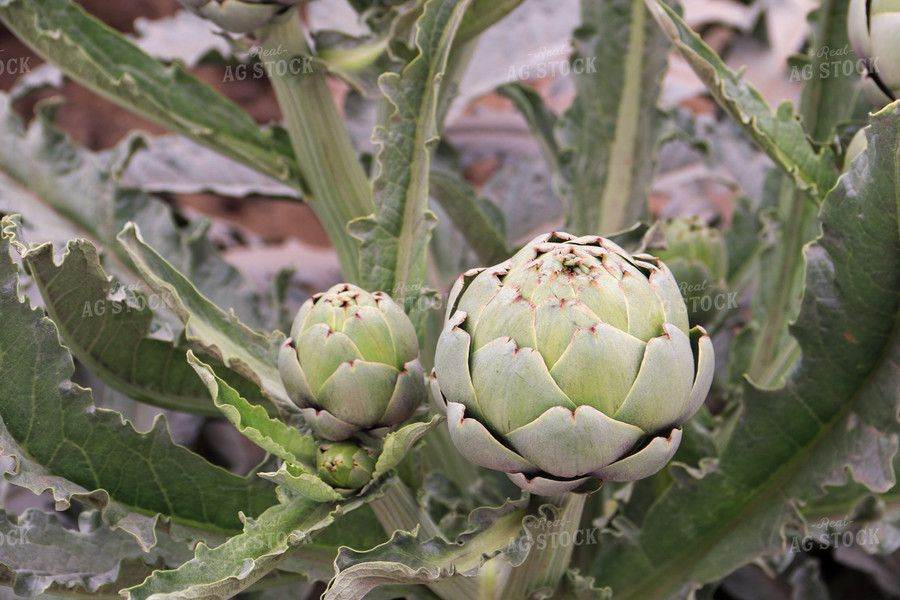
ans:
(697, 256)
(570, 361)
(352, 363)
(874, 30)
(239, 16)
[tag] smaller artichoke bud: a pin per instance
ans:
(239, 16)
(352, 363)
(874, 30)
(698, 259)
(344, 465)
(857, 146)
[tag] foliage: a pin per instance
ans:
(112, 299)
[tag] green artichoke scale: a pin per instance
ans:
(874, 31)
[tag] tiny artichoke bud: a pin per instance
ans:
(697, 256)
(239, 16)
(352, 363)
(571, 362)
(857, 146)
(344, 465)
(874, 30)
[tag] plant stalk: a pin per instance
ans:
(398, 510)
(339, 190)
(617, 189)
(438, 454)
(554, 541)
(785, 284)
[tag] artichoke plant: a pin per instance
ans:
(874, 30)
(698, 259)
(239, 16)
(570, 361)
(352, 363)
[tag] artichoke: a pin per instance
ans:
(857, 146)
(570, 361)
(698, 259)
(344, 465)
(239, 16)
(352, 363)
(874, 30)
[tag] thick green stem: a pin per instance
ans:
(618, 189)
(339, 190)
(398, 510)
(775, 352)
(438, 454)
(783, 284)
(554, 538)
(780, 365)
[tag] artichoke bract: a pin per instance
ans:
(697, 256)
(874, 30)
(352, 363)
(239, 16)
(571, 361)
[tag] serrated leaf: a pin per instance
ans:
(398, 443)
(63, 191)
(582, 588)
(609, 136)
(836, 417)
(222, 335)
(59, 439)
(111, 336)
(224, 571)
(104, 61)
(408, 558)
(307, 485)
(298, 450)
(30, 474)
(776, 300)
(272, 435)
(394, 449)
(779, 133)
(176, 165)
(395, 239)
(315, 560)
(40, 555)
